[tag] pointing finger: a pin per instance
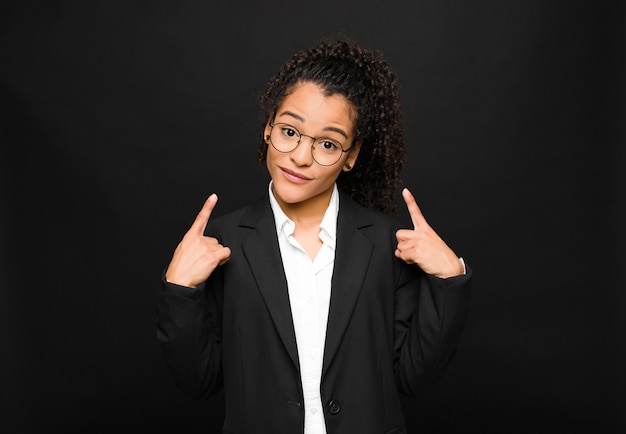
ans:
(203, 216)
(414, 211)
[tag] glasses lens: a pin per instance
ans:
(326, 151)
(284, 137)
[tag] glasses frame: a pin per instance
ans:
(300, 135)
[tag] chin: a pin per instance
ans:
(289, 194)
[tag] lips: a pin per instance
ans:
(295, 176)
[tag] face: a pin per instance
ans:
(298, 180)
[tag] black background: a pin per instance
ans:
(119, 118)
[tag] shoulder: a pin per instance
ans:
(377, 227)
(364, 217)
(245, 216)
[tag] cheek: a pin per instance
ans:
(336, 173)
(329, 175)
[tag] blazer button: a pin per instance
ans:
(334, 407)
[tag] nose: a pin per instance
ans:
(303, 154)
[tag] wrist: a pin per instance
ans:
(456, 269)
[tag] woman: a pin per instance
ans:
(312, 307)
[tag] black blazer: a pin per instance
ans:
(391, 327)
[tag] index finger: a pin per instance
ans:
(414, 211)
(203, 216)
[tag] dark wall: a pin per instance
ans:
(119, 118)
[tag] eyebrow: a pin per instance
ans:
(301, 119)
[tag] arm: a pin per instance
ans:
(431, 306)
(189, 333)
(430, 315)
(189, 309)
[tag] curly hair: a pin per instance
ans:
(366, 80)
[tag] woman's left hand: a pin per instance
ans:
(422, 246)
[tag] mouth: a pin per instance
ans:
(295, 176)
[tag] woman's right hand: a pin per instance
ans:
(196, 256)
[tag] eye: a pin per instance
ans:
(289, 132)
(328, 146)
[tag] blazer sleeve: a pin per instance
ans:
(428, 325)
(189, 333)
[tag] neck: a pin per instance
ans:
(309, 212)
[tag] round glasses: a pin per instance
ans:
(285, 138)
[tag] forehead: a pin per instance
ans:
(309, 104)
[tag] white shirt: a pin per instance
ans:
(309, 295)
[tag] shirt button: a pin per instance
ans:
(314, 411)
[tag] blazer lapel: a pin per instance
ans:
(263, 255)
(352, 255)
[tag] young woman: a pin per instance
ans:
(312, 307)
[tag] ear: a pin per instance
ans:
(353, 153)
(268, 128)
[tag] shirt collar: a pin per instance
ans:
(328, 226)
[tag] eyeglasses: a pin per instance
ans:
(285, 138)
